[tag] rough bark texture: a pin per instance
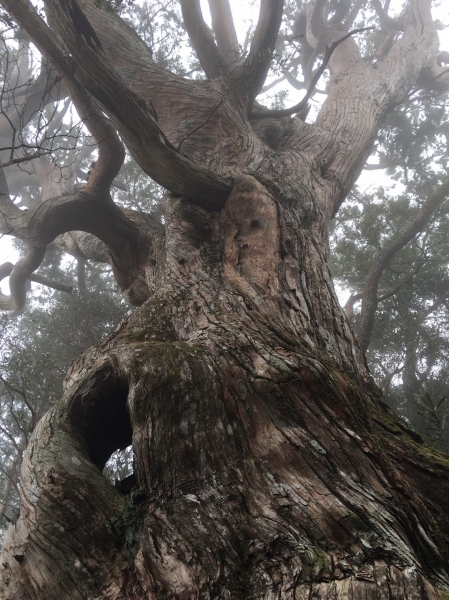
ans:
(267, 464)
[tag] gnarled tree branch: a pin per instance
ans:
(16, 301)
(136, 124)
(302, 104)
(18, 278)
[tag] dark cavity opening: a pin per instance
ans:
(101, 416)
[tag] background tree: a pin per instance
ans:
(402, 291)
(266, 462)
(36, 350)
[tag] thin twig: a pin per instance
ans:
(26, 158)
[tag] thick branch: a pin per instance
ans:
(137, 123)
(7, 268)
(18, 278)
(55, 285)
(386, 21)
(258, 61)
(8, 210)
(95, 214)
(359, 97)
(202, 39)
(224, 29)
(302, 104)
(111, 152)
(81, 275)
(349, 306)
(11, 480)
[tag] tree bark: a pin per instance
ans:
(267, 464)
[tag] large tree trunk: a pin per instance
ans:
(267, 464)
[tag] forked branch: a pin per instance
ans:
(302, 104)
(18, 278)
(385, 20)
(7, 268)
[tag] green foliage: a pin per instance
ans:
(410, 342)
(36, 350)
(409, 350)
(160, 25)
(436, 414)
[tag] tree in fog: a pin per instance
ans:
(390, 249)
(267, 463)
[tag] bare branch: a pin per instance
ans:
(224, 29)
(36, 94)
(137, 123)
(61, 287)
(24, 159)
(385, 20)
(111, 152)
(302, 105)
(81, 275)
(7, 268)
(316, 22)
(18, 278)
(68, 289)
(353, 14)
(349, 306)
(258, 61)
(202, 40)
(8, 210)
(11, 480)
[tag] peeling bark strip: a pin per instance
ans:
(267, 464)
